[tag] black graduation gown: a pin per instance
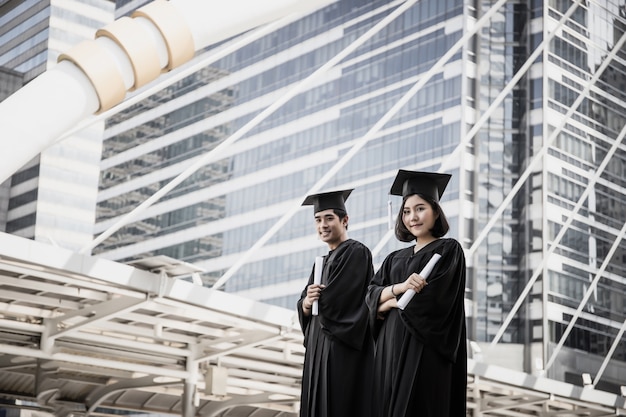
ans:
(421, 356)
(337, 375)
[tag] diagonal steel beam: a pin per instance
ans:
(587, 295)
(90, 314)
(95, 75)
(122, 365)
(609, 355)
(251, 340)
(216, 408)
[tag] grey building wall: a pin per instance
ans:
(10, 82)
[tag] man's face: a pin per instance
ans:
(329, 228)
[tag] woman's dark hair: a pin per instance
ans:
(440, 228)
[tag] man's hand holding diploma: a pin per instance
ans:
(313, 291)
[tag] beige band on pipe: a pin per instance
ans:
(101, 69)
(176, 34)
(138, 45)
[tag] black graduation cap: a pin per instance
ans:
(431, 184)
(329, 200)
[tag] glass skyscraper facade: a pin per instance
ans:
(581, 178)
(10, 82)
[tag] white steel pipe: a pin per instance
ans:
(41, 111)
(211, 21)
(95, 75)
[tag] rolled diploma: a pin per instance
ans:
(407, 296)
(317, 279)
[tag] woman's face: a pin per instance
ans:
(418, 217)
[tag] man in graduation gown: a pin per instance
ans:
(337, 374)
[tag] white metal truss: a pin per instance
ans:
(588, 293)
(356, 147)
(592, 181)
(81, 336)
(369, 135)
(215, 153)
(618, 45)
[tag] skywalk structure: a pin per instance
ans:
(84, 336)
(521, 101)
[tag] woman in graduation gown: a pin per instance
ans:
(421, 361)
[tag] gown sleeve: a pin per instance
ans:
(436, 315)
(343, 300)
(377, 285)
